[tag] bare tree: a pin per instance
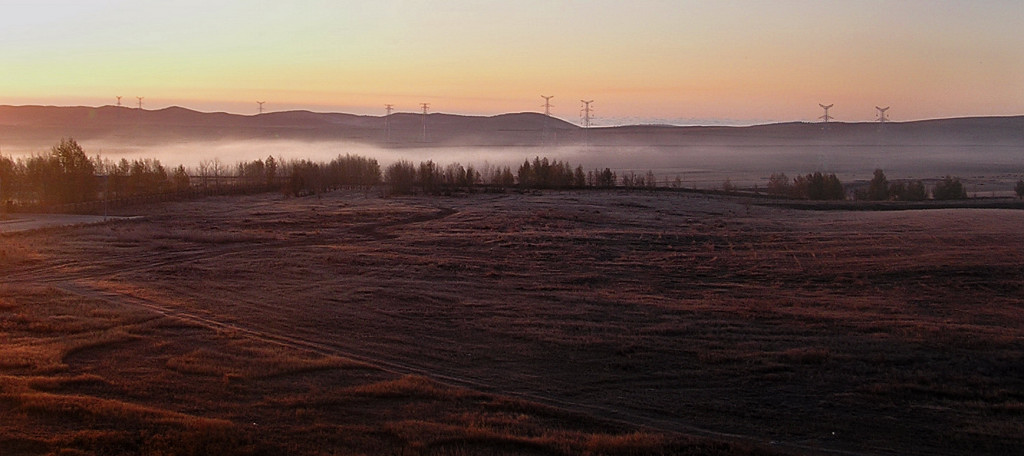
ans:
(204, 171)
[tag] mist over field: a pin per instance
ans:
(986, 168)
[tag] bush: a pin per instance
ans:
(1019, 189)
(949, 188)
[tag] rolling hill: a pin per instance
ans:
(41, 126)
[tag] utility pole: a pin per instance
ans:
(425, 107)
(140, 102)
(388, 108)
(261, 105)
(118, 101)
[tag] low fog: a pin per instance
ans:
(986, 169)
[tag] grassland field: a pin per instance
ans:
(590, 322)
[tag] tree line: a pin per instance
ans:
(880, 189)
(404, 177)
(818, 186)
(67, 175)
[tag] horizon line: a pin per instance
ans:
(738, 123)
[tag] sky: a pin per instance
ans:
(643, 61)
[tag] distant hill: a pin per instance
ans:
(42, 126)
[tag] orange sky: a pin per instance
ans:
(674, 61)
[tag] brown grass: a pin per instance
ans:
(407, 386)
(252, 362)
(75, 407)
(813, 330)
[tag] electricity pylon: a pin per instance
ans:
(826, 116)
(425, 107)
(586, 113)
(882, 116)
(387, 121)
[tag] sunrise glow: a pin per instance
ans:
(730, 61)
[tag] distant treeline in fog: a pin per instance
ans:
(66, 175)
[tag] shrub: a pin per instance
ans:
(1019, 189)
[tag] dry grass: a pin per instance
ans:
(16, 252)
(254, 362)
(101, 411)
(865, 332)
(407, 386)
(85, 408)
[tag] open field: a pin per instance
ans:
(546, 323)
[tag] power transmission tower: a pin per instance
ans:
(118, 101)
(387, 121)
(826, 117)
(425, 107)
(547, 104)
(140, 102)
(547, 114)
(882, 116)
(261, 105)
(586, 113)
